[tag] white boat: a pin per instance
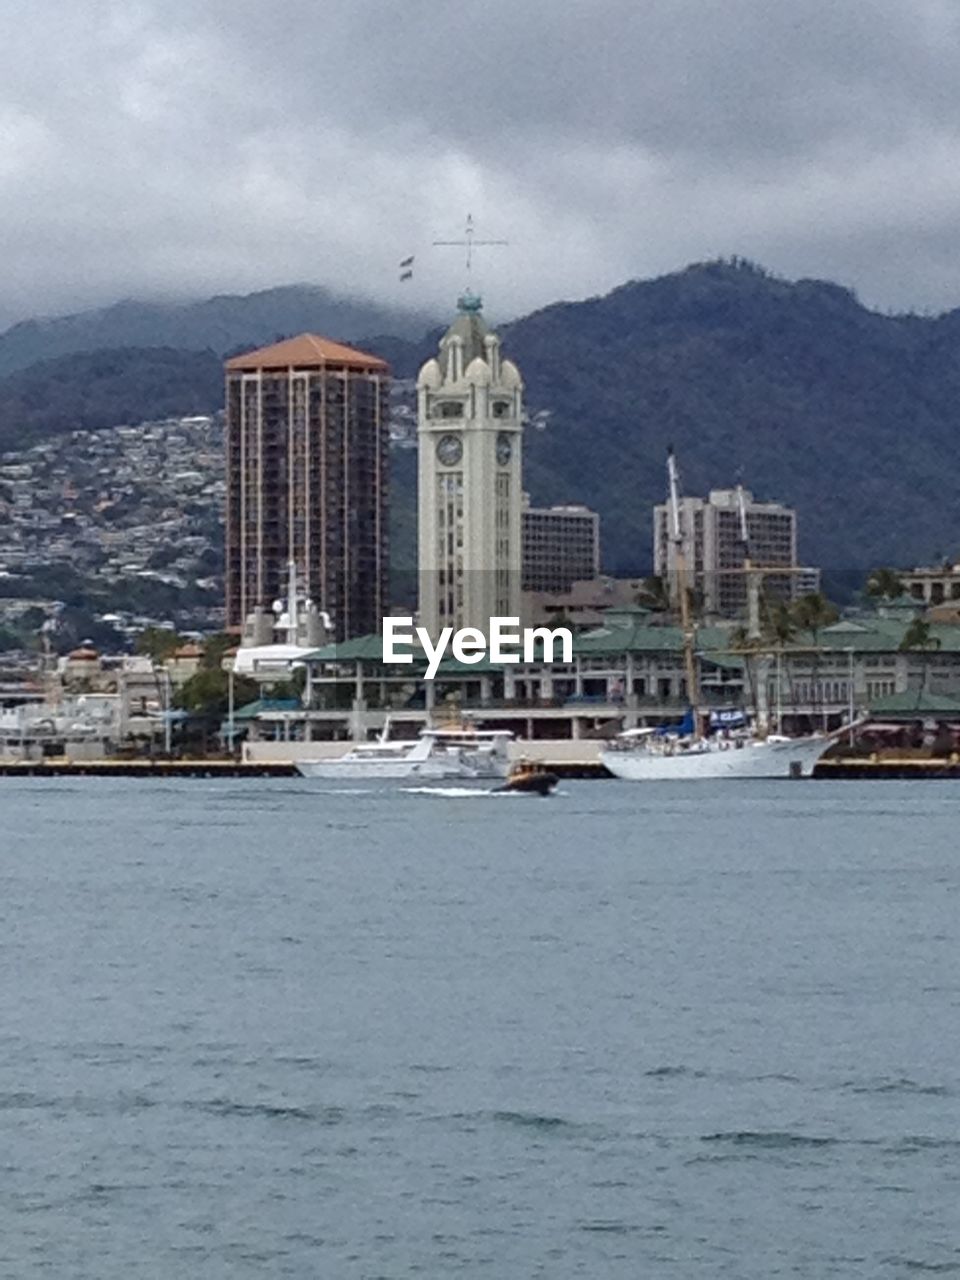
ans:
(688, 752)
(644, 755)
(436, 753)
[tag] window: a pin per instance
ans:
(448, 409)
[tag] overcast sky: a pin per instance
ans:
(183, 147)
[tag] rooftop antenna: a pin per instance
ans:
(470, 243)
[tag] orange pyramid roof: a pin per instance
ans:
(307, 350)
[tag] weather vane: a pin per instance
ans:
(469, 242)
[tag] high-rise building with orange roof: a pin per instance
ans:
(307, 480)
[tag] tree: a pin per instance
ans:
(561, 619)
(290, 688)
(214, 649)
(779, 629)
(885, 584)
(158, 644)
(654, 595)
(920, 639)
(207, 693)
(814, 613)
(779, 626)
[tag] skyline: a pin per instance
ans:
(164, 152)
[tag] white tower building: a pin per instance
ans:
(470, 478)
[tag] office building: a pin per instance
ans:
(714, 550)
(561, 545)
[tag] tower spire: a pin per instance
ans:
(469, 300)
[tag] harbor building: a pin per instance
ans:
(933, 586)
(584, 605)
(469, 434)
(307, 426)
(715, 552)
(561, 546)
(628, 672)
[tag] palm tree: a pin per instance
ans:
(779, 629)
(885, 584)
(654, 594)
(813, 613)
(920, 639)
(778, 624)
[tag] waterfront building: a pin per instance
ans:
(469, 412)
(933, 586)
(561, 546)
(715, 553)
(584, 604)
(307, 426)
(625, 673)
(88, 706)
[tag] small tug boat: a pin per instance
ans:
(527, 778)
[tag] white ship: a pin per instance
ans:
(642, 755)
(437, 753)
(688, 751)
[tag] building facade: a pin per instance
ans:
(469, 434)
(561, 546)
(628, 673)
(933, 586)
(307, 481)
(715, 553)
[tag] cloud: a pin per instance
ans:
(178, 149)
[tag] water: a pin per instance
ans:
(263, 1030)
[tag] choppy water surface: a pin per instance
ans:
(262, 1029)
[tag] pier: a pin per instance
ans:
(145, 769)
(859, 768)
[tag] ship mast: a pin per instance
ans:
(754, 634)
(675, 534)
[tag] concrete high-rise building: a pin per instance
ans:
(714, 550)
(470, 475)
(307, 480)
(561, 545)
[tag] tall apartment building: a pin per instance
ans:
(714, 551)
(561, 545)
(307, 480)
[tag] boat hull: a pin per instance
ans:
(761, 759)
(386, 770)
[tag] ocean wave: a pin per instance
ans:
(268, 1110)
(670, 1073)
(902, 1085)
(918, 1264)
(769, 1139)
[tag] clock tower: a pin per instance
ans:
(469, 405)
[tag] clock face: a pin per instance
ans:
(504, 449)
(449, 450)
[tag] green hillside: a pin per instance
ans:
(849, 415)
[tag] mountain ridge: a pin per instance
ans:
(847, 414)
(223, 324)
